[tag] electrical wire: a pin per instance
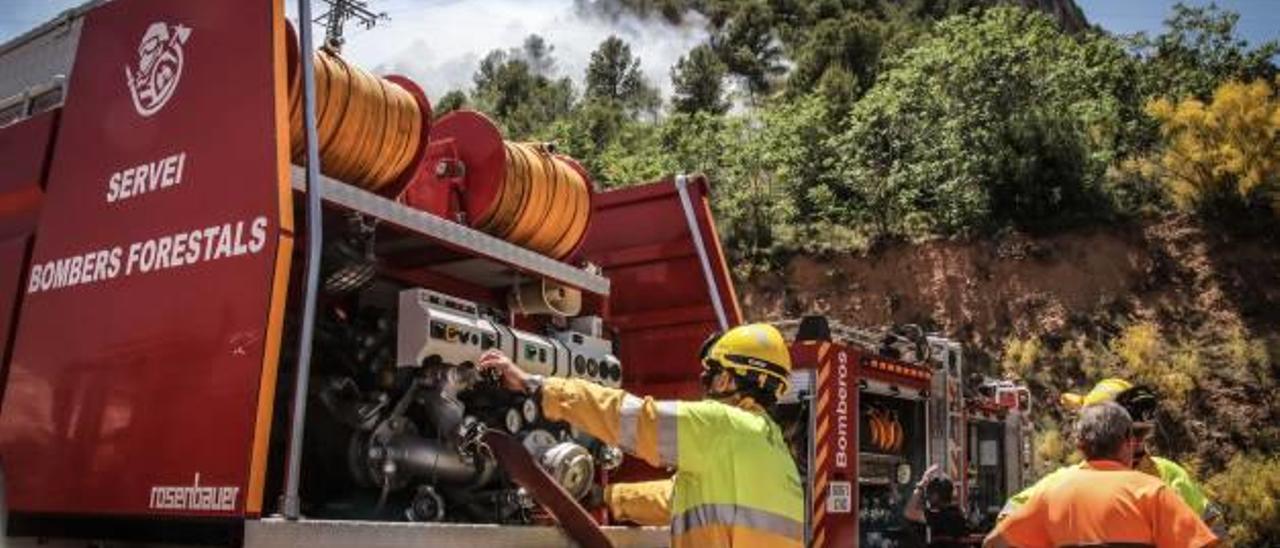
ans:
(543, 203)
(369, 128)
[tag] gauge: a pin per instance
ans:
(530, 410)
(513, 421)
(537, 441)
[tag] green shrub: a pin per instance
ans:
(1147, 357)
(1219, 156)
(1019, 356)
(1249, 492)
(1053, 448)
(995, 120)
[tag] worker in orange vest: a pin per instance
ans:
(1141, 403)
(1104, 502)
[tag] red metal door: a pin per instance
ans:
(24, 151)
(143, 366)
(661, 305)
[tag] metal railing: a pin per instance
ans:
(32, 101)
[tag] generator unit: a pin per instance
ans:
(436, 328)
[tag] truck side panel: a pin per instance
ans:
(25, 149)
(149, 324)
(661, 307)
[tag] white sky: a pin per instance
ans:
(439, 43)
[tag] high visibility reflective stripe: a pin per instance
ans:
(1009, 507)
(629, 414)
(734, 515)
(668, 429)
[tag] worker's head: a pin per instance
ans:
(1139, 401)
(1105, 432)
(939, 492)
(746, 361)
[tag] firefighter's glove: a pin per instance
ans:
(496, 365)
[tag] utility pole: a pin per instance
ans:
(340, 11)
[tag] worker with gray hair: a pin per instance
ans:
(1104, 502)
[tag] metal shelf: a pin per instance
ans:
(276, 532)
(880, 457)
(492, 262)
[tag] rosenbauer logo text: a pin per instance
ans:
(159, 67)
(194, 497)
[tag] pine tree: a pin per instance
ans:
(512, 87)
(698, 79)
(746, 44)
(450, 102)
(614, 76)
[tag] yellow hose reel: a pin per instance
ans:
(371, 130)
(524, 193)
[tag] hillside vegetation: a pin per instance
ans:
(1074, 204)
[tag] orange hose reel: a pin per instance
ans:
(371, 130)
(524, 193)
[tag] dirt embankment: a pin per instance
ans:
(1198, 286)
(1170, 272)
(978, 290)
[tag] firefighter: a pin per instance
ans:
(1141, 403)
(735, 482)
(932, 503)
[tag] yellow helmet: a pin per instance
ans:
(756, 348)
(1106, 390)
(1141, 402)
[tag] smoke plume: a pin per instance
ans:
(439, 43)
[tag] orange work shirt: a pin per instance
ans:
(1105, 502)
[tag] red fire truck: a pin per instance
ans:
(183, 362)
(883, 405)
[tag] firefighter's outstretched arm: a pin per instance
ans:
(642, 503)
(642, 427)
(614, 417)
(914, 510)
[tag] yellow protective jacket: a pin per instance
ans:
(735, 483)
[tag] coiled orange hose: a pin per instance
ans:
(543, 204)
(369, 128)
